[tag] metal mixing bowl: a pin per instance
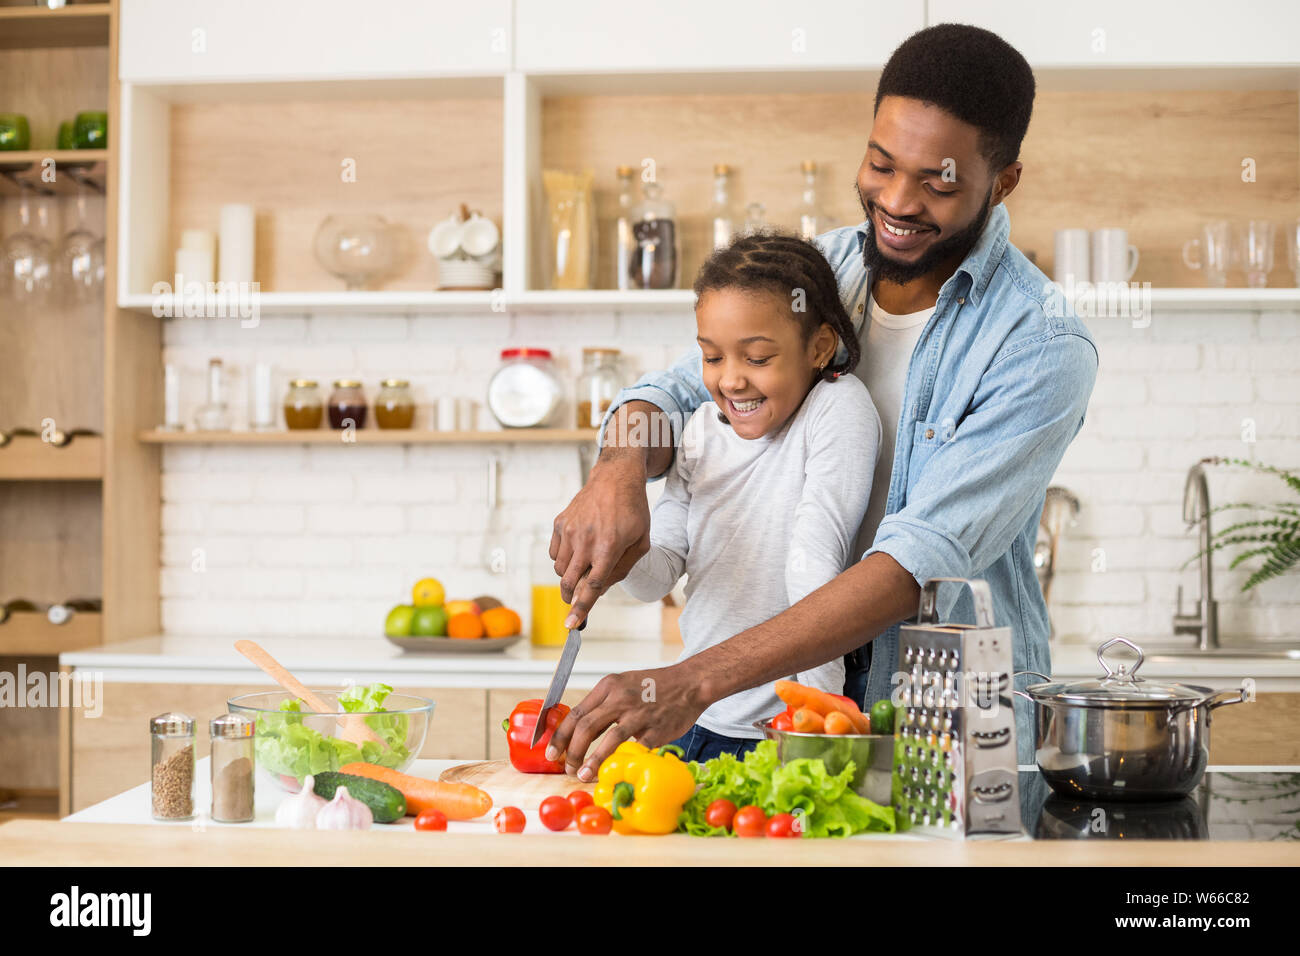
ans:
(872, 756)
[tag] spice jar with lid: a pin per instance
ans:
(598, 385)
(172, 778)
(347, 404)
(395, 406)
(525, 391)
(303, 408)
(232, 768)
(655, 248)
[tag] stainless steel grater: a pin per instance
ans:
(955, 730)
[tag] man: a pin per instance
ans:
(981, 374)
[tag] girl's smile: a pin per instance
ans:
(757, 365)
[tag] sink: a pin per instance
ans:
(1173, 652)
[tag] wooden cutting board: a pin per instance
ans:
(509, 788)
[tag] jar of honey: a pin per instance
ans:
(395, 407)
(347, 404)
(303, 408)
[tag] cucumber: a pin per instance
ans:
(386, 802)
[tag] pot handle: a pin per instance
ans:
(1021, 693)
(1218, 699)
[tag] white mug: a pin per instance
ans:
(1113, 259)
(1071, 264)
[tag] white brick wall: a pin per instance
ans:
(1190, 384)
(323, 540)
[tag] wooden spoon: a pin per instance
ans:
(352, 727)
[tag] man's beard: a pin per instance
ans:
(954, 247)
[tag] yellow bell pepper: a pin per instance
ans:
(643, 790)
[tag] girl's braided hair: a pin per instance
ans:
(785, 265)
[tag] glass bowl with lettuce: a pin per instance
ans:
(293, 741)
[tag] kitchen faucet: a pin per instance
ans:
(1196, 510)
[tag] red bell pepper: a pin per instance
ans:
(519, 727)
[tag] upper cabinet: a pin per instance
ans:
(576, 36)
(178, 41)
(1122, 33)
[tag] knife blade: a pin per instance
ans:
(560, 679)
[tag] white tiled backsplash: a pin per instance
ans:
(324, 539)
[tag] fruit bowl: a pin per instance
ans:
(291, 743)
(872, 756)
(454, 645)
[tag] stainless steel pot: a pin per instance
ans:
(1122, 737)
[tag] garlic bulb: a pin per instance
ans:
(344, 812)
(299, 811)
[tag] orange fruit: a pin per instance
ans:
(465, 625)
(462, 607)
(501, 622)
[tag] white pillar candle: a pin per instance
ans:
(446, 414)
(193, 265)
(263, 417)
(236, 251)
(171, 398)
(200, 240)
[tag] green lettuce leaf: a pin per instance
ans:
(825, 803)
(285, 745)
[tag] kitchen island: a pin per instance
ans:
(1238, 817)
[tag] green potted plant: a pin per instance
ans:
(1273, 536)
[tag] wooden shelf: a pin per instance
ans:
(31, 633)
(27, 458)
(31, 26)
(373, 436)
(69, 166)
(612, 300)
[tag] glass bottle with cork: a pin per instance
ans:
(623, 243)
(656, 251)
(813, 220)
(720, 212)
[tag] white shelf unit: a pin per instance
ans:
(543, 61)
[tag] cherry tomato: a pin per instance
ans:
(556, 813)
(783, 722)
(749, 821)
(509, 820)
(594, 821)
(783, 825)
(579, 799)
(431, 820)
(720, 814)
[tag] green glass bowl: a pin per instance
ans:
(15, 133)
(90, 130)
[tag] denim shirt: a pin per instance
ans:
(996, 390)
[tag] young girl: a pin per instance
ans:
(772, 477)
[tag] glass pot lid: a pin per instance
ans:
(1121, 686)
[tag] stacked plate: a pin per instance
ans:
(465, 274)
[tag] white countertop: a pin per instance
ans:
(214, 660)
(327, 661)
(133, 806)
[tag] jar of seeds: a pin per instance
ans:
(172, 787)
(232, 768)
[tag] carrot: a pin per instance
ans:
(837, 723)
(807, 721)
(799, 695)
(459, 801)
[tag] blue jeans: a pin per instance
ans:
(700, 744)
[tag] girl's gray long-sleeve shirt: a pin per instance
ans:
(758, 524)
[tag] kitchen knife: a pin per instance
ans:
(560, 679)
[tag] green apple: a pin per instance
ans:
(429, 621)
(398, 623)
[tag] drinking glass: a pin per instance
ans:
(26, 256)
(1213, 253)
(1253, 245)
(79, 258)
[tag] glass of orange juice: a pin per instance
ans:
(549, 612)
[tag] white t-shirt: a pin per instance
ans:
(887, 343)
(757, 525)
